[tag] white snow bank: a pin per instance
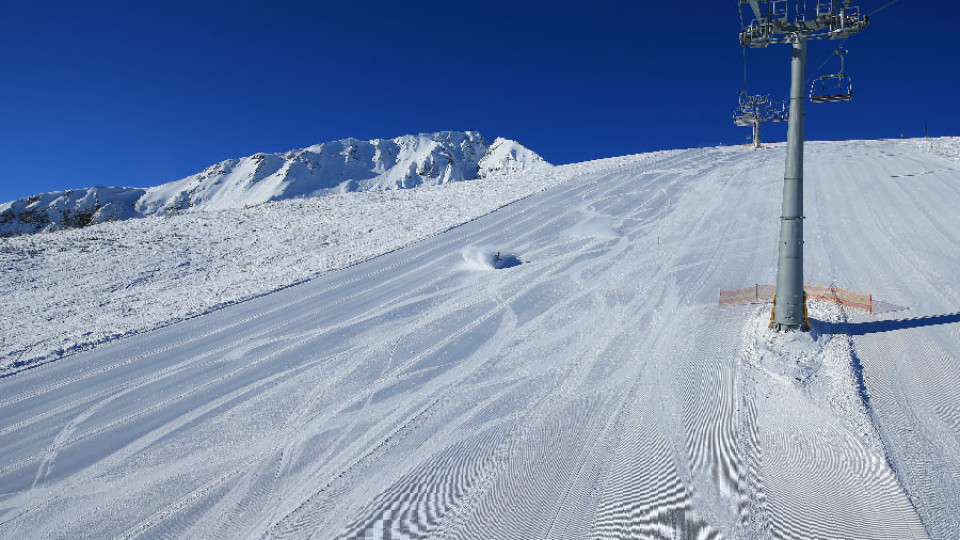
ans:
(945, 147)
(816, 366)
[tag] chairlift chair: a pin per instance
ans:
(740, 115)
(779, 112)
(832, 88)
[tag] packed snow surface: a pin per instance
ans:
(333, 167)
(558, 368)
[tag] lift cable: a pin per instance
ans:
(744, 69)
(839, 47)
(742, 27)
(885, 6)
(829, 57)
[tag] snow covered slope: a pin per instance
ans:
(69, 290)
(339, 166)
(586, 385)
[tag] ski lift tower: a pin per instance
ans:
(757, 110)
(787, 21)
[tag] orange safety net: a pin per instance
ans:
(747, 295)
(840, 296)
(764, 293)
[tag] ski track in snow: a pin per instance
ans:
(591, 390)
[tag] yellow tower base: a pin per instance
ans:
(806, 313)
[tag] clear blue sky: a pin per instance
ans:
(141, 93)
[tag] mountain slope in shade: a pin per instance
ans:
(68, 209)
(333, 167)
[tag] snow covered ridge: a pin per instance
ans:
(333, 167)
(69, 209)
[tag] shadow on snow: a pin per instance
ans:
(875, 327)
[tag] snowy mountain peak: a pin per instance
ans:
(331, 167)
(505, 156)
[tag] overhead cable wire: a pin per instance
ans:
(883, 7)
(830, 57)
(744, 70)
(743, 27)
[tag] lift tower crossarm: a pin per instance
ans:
(834, 23)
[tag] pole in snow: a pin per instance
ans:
(789, 309)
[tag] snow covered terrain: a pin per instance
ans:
(558, 368)
(65, 291)
(333, 167)
(948, 147)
